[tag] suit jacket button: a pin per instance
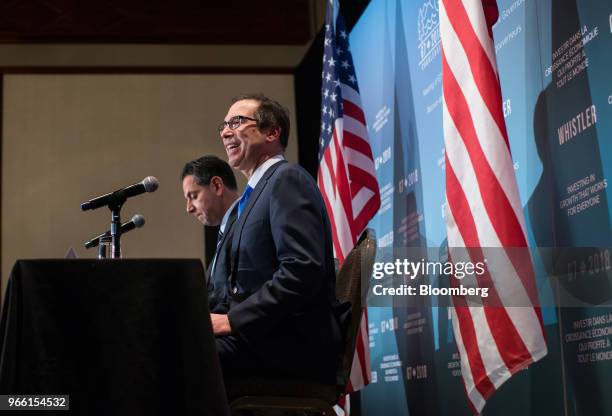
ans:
(234, 290)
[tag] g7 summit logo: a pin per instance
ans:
(428, 27)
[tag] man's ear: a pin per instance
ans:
(217, 185)
(273, 134)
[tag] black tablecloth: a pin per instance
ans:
(121, 337)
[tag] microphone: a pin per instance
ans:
(148, 184)
(137, 221)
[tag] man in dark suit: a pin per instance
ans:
(209, 187)
(281, 320)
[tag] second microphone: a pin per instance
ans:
(137, 221)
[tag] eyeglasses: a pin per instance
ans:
(233, 123)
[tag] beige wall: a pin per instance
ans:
(68, 138)
(167, 56)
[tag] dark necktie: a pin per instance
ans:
(228, 225)
(219, 238)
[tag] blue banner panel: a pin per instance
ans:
(554, 69)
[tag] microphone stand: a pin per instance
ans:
(115, 228)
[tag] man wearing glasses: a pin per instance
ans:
(281, 319)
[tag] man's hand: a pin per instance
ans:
(220, 324)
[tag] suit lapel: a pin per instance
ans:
(228, 229)
(239, 225)
(228, 225)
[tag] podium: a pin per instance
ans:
(120, 337)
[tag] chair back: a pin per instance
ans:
(354, 273)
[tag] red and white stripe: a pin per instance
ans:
(504, 335)
(348, 183)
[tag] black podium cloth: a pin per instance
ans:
(121, 337)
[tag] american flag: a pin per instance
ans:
(346, 175)
(483, 206)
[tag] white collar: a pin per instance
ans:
(226, 215)
(261, 169)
